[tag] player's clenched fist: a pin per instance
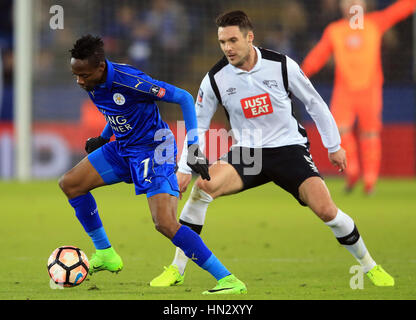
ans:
(197, 161)
(94, 143)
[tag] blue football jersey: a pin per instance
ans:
(127, 101)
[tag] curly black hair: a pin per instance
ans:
(89, 47)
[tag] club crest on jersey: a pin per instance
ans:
(257, 106)
(270, 83)
(119, 99)
(354, 41)
(157, 91)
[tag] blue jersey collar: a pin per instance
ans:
(110, 76)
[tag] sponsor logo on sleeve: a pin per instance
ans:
(200, 95)
(158, 91)
(257, 106)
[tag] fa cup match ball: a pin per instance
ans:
(68, 266)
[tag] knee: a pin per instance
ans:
(167, 228)
(160, 227)
(198, 194)
(326, 211)
(69, 186)
(204, 189)
(63, 183)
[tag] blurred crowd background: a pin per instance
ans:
(176, 41)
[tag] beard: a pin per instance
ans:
(242, 61)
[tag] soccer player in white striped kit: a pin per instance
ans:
(255, 87)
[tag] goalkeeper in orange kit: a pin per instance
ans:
(358, 83)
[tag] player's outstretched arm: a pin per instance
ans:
(393, 14)
(94, 143)
(196, 160)
(186, 101)
(205, 108)
(318, 56)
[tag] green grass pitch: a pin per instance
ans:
(278, 248)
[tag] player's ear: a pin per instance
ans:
(101, 66)
(250, 36)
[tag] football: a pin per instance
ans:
(68, 266)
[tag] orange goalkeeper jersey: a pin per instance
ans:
(357, 52)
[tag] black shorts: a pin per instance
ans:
(286, 166)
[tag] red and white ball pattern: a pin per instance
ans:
(68, 266)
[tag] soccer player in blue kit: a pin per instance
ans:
(144, 153)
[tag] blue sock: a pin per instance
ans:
(99, 238)
(215, 267)
(196, 250)
(87, 213)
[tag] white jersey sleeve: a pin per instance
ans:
(303, 89)
(206, 105)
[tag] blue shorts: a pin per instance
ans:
(149, 174)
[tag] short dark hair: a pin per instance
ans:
(89, 47)
(235, 18)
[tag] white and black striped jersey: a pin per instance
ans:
(258, 104)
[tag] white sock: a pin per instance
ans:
(347, 234)
(192, 215)
(180, 260)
